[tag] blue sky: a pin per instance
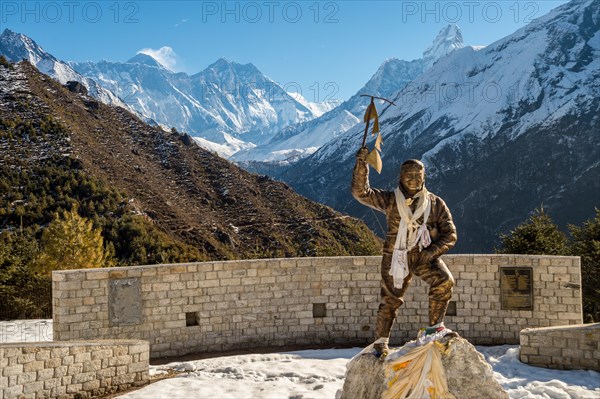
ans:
(324, 49)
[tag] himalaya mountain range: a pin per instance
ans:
(229, 108)
(502, 129)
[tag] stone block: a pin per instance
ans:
(60, 371)
(33, 387)
(83, 377)
(68, 360)
(69, 285)
(51, 384)
(92, 366)
(33, 366)
(42, 354)
(101, 354)
(91, 385)
(106, 372)
(139, 348)
(25, 358)
(74, 388)
(136, 367)
(45, 374)
(83, 357)
(123, 379)
(550, 351)
(25, 378)
(74, 369)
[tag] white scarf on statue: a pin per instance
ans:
(410, 233)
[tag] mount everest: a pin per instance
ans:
(228, 106)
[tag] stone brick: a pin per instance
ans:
(33, 366)
(83, 377)
(69, 285)
(550, 351)
(123, 379)
(91, 385)
(92, 365)
(101, 354)
(138, 348)
(106, 372)
(25, 378)
(33, 387)
(135, 367)
(83, 357)
(74, 388)
(52, 384)
(13, 391)
(74, 369)
(60, 371)
(26, 358)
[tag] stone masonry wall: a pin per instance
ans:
(556, 283)
(567, 347)
(216, 306)
(71, 369)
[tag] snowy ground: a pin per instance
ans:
(316, 373)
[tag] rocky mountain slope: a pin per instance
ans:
(190, 194)
(502, 130)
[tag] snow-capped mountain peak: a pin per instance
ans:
(448, 39)
(146, 59)
(393, 74)
(17, 47)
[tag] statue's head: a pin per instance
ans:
(412, 176)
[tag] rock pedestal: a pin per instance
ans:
(468, 375)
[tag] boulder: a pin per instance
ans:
(468, 375)
(76, 87)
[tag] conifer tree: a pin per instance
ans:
(72, 242)
(586, 243)
(537, 236)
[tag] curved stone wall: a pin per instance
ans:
(562, 347)
(217, 306)
(71, 369)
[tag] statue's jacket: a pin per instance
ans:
(440, 225)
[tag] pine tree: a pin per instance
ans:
(537, 236)
(586, 243)
(72, 242)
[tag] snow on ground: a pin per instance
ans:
(301, 374)
(527, 382)
(316, 373)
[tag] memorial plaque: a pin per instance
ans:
(516, 288)
(124, 302)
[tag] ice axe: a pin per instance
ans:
(374, 159)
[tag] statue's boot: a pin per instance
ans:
(436, 329)
(437, 311)
(385, 322)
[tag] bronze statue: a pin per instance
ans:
(419, 230)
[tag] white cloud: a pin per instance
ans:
(183, 21)
(165, 55)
